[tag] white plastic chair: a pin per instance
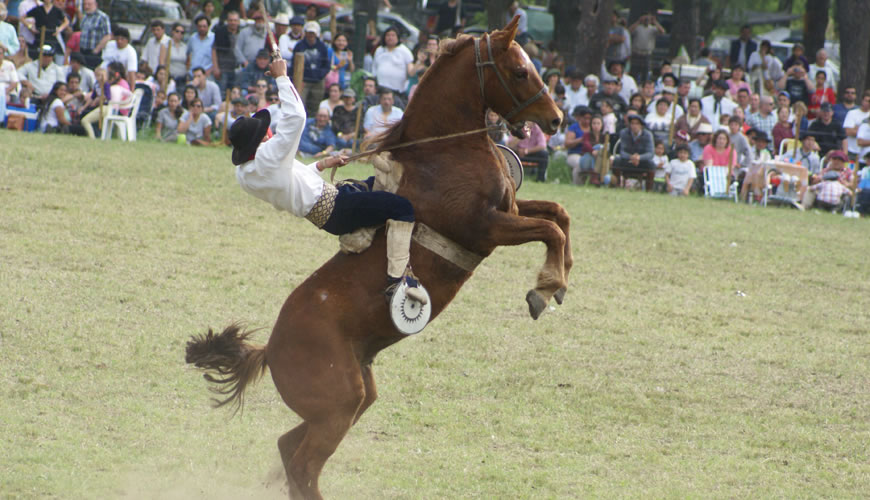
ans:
(716, 184)
(786, 146)
(126, 124)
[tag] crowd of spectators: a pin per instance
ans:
(70, 61)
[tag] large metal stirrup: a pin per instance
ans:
(480, 64)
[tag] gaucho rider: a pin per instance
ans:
(267, 168)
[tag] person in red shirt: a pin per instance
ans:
(820, 96)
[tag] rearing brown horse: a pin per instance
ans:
(334, 323)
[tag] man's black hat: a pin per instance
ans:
(246, 134)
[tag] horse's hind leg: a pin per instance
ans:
(287, 446)
(507, 229)
(555, 212)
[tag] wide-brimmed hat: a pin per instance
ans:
(283, 19)
(246, 134)
(704, 128)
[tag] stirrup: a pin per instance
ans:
(409, 304)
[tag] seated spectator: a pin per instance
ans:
(764, 120)
(318, 139)
(208, 91)
(579, 143)
(75, 99)
(195, 125)
(161, 82)
(744, 102)
(659, 122)
(120, 50)
(190, 93)
(660, 159)
(720, 153)
(117, 90)
(610, 93)
(255, 72)
(239, 109)
(736, 82)
(862, 193)
(755, 176)
(829, 135)
(783, 129)
(344, 119)
(741, 146)
(701, 140)
(717, 104)
(166, 127)
(333, 98)
(821, 95)
(807, 156)
(77, 65)
(831, 193)
(635, 152)
(692, 120)
(532, 149)
(680, 173)
(9, 83)
(38, 78)
(53, 116)
(498, 133)
(379, 118)
(608, 116)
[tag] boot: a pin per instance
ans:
(398, 256)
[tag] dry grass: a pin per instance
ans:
(655, 379)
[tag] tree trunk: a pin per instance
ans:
(785, 6)
(496, 10)
(710, 16)
(685, 32)
(365, 10)
(591, 34)
(815, 25)
(566, 17)
(853, 17)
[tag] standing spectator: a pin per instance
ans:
(845, 104)
(342, 58)
(643, 42)
(176, 52)
(692, 120)
(829, 135)
(823, 64)
(199, 46)
(853, 120)
(577, 94)
(393, 62)
(77, 65)
(450, 18)
(742, 48)
(716, 105)
(318, 139)
(155, 45)
(636, 151)
(680, 173)
(119, 50)
(796, 58)
(317, 65)
(52, 19)
(736, 82)
(9, 44)
(618, 41)
(38, 77)
(514, 10)
(783, 129)
(754, 179)
(287, 42)
(344, 119)
(195, 125)
(822, 94)
(208, 91)
(256, 72)
(379, 118)
(798, 85)
(745, 157)
(251, 40)
(764, 120)
(166, 128)
(629, 86)
(532, 149)
(333, 99)
(9, 84)
(233, 6)
(765, 69)
(23, 31)
(574, 144)
(282, 25)
(225, 53)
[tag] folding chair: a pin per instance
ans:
(716, 184)
(126, 124)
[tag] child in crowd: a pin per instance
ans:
(680, 173)
(608, 117)
(661, 160)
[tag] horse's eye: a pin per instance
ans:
(522, 73)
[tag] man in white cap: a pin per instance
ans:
(267, 168)
(38, 83)
(317, 65)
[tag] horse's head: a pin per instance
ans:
(514, 89)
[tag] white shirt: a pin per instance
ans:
(852, 120)
(8, 75)
(151, 52)
(391, 67)
(126, 56)
(863, 133)
(708, 104)
(41, 81)
(574, 98)
(49, 119)
(831, 75)
(275, 175)
(681, 173)
(629, 87)
(286, 45)
(375, 122)
(774, 67)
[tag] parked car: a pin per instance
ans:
(136, 15)
(408, 33)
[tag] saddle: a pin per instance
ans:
(388, 174)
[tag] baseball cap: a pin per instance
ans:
(47, 50)
(826, 106)
(297, 20)
(838, 155)
(348, 92)
(312, 27)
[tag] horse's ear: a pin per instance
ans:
(507, 34)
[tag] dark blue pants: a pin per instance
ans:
(356, 208)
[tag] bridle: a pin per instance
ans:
(518, 106)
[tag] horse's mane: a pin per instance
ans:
(446, 48)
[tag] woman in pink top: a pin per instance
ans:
(532, 149)
(718, 152)
(736, 82)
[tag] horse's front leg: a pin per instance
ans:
(552, 211)
(508, 229)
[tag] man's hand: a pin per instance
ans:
(278, 67)
(332, 161)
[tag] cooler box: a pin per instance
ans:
(29, 116)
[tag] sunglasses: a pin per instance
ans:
(179, 31)
(197, 105)
(262, 86)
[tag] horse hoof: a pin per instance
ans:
(536, 302)
(560, 295)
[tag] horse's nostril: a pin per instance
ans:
(556, 123)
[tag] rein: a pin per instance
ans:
(481, 65)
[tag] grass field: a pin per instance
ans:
(704, 349)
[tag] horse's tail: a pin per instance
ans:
(234, 362)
